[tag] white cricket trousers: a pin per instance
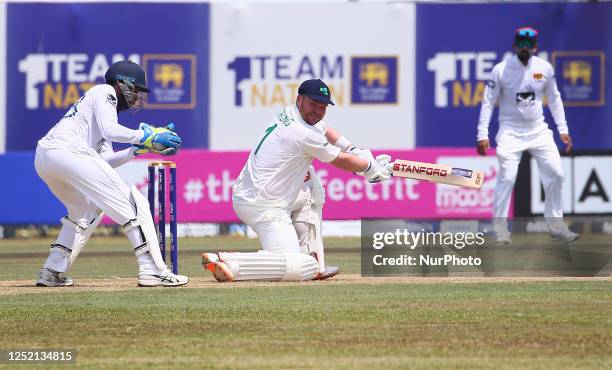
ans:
(83, 181)
(273, 226)
(542, 147)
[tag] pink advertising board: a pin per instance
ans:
(205, 179)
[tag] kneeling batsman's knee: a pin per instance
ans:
(300, 267)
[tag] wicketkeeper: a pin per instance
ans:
(76, 160)
(280, 196)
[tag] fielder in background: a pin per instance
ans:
(519, 84)
(76, 160)
(280, 196)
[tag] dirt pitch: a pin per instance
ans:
(109, 284)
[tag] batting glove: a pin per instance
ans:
(377, 170)
(361, 153)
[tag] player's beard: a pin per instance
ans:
(524, 55)
(313, 118)
(309, 117)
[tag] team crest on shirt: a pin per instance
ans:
(537, 76)
(112, 100)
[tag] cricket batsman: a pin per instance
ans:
(280, 196)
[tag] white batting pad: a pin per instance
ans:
(266, 266)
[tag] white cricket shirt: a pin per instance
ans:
(519, 90)
(277, 165)
(90, 123)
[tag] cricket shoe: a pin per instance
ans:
(165, 278)
(566, 236)
(330, 271)
(47, 277)
(219, 269)
(502, 237)
(503, 240)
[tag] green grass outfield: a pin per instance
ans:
(348, 322)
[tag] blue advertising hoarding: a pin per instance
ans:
(458, 45)
(28, 200)
(68, 48)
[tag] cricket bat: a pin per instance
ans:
(440, 173)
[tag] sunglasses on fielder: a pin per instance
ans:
(527, 32)
(526, 37)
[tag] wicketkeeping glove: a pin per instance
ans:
(159, 138)
(141, 149)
